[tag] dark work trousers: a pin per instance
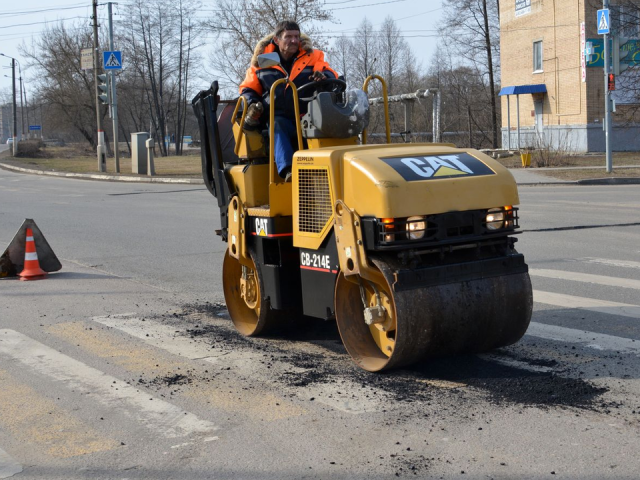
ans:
(285, 137)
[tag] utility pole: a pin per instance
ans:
(607, 98)
(114, 98)
(102, 155)
(26, 104)
(21, 108)
(15, 108)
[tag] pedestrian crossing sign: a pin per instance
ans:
(603, 21)
(112, 60)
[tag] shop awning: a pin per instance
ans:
(522, 89)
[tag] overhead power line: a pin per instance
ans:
(44, 22)
(369, 5)
(42, 10)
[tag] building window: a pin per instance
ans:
(537, 56)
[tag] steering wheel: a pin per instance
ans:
(337, 85)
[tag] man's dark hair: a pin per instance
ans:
(285, 25)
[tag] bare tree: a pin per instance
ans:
(340, 56)
(188, 29)
(464, 114)
(161, 52)
(364, 51)
(391, 48)
(238, 25)
(625, 23)
(473, 26)
(63, 86)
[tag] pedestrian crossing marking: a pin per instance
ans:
(142, 360)
(586, 278)
(611, 262)
(36, 420)
(590, 304)
(151, 412)
(244, 364)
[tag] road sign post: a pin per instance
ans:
(113, 62)
(603, 23)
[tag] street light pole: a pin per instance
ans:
(15, 116)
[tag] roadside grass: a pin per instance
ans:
(79, 159)
(590, 160)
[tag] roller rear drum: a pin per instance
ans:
(466, 317)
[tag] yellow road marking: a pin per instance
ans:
(145, 361)
(134, 357)
(256, 405)
(39, 421)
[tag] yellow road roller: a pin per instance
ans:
(409, 247)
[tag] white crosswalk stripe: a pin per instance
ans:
(590, 304)
(586, 278)
(157, 415)
(597, 341)
(610, 262)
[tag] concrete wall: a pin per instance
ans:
(576, 138)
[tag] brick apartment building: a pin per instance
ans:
(548, 88)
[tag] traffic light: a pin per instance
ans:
(618, 53)
(612, 82)
(103, 89)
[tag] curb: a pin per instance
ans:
(610, 181)
(545, 184)
(112, 178)
(588, 182)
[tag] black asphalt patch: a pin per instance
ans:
(502, 384)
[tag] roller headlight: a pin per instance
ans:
(495, 219)
(416, 227)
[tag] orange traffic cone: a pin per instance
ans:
(32, 270)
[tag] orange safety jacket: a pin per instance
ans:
(258, 81)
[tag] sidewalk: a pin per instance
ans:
(522, 176)
(530, 177)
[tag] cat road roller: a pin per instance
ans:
(410, 247)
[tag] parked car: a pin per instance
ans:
(9, 140)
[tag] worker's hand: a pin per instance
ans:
(254, 112)
(317, 76)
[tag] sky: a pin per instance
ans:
(418, 19)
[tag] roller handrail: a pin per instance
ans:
(243, 101)
(365, 87)
(272, 119)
